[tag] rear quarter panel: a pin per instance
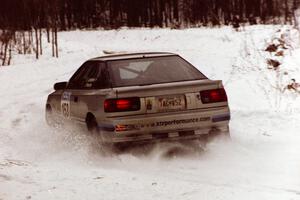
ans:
(54, 99)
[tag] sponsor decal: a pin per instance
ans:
(181, 121)
(130, 127)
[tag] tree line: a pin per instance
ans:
(78, 14)
(23, 22)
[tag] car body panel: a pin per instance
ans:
(175, 122)
(167, 110)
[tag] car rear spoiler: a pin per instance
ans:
(206, 82)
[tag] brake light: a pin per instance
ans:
(213, 96)
(122, 105)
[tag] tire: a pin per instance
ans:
(92, 127)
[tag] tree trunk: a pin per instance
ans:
(48, 34)
(36, 43)
(9, 55)
(24, 42)
(56, 45)
(41, 45)
(30, 40)
(53, 43)
(5, 53)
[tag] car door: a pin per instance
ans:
(82, 88)
(67, 94)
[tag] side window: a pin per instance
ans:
(102, 79)
(78, 79)
(91, 75)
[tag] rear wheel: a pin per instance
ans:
(93, 128)
(92, 125)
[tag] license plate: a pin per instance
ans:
(171, 103)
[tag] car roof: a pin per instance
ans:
(124, 55)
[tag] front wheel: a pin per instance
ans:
(50, 118)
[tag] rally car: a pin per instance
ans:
(135, 97)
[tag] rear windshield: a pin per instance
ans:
(147, 71)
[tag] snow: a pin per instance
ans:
(262, 161)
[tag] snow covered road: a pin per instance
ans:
(261, 162)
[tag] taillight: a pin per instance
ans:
(213, 96)
(122, 105)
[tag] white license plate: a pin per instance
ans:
(171, 103)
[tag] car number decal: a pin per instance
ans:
(65, 104)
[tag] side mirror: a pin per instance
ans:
(60, 86)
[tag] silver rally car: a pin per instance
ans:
(141, 97)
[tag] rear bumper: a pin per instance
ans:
(172, 136)
(166, 126)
